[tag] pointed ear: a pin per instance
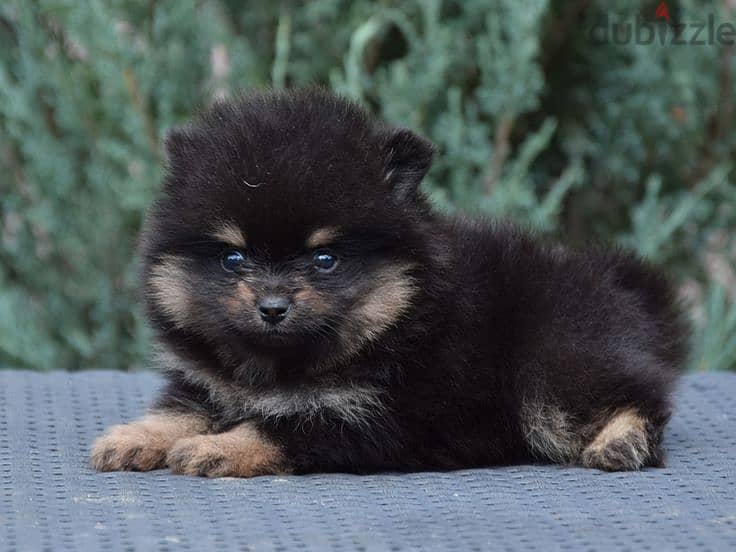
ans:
(407, 158)
(181, 145)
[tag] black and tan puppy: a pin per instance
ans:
(314, 314)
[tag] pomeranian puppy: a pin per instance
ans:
(314, 314)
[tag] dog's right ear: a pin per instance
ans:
(182, 146)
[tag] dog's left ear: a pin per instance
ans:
(407, 158)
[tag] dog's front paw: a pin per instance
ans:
(128, 447)
(142, 445)
(240, 452)
(623, 444)
(201, 456)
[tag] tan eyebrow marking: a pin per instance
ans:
(322, 236)
(229, 233)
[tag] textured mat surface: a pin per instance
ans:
(50, 500)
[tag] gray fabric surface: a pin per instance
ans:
(51, 500)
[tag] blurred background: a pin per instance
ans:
(541, 110)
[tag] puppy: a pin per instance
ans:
(314, 314)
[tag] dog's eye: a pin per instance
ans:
(324, 261)
(232, 260)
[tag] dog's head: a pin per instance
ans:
(289, 225)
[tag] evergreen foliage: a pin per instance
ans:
(535, 119)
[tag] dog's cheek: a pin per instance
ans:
(189, 300)
(169, 288)
(387, 300)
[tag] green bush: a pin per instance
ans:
(534, 120)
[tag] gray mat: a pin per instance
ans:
(51, 501)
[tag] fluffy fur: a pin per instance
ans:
(433, 343)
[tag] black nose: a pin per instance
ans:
(273, 309)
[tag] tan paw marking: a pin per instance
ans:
(622, 444)
(239, 452)
(142, 445)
